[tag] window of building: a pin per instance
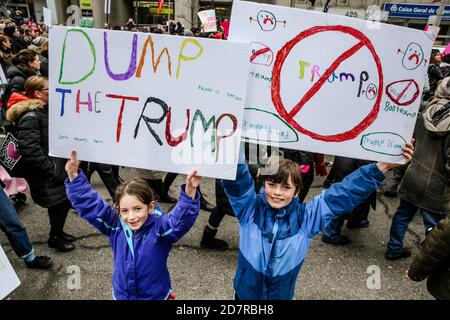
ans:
(147, 12)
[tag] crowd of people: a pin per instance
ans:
(276, 225)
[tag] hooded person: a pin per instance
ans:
(425, 184)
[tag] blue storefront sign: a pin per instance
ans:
(414, 11)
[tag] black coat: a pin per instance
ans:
(17, 76)
(17, 44)
(433, 261)
(434, 76)
(44, 174)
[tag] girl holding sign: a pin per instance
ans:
(141, 235)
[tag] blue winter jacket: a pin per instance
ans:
(140, 273)
(274, 242)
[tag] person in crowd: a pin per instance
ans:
(433, 261)
(25, 64)
(13, 34)
(29, 35)
(5, 53)
(141, 235)
(17, 235)
(425, 184)
(358, 217)
(276, 229)
(44, 174)
(434, 72)
(42, 44)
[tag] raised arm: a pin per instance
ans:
(179, 221)
(241, 192)
(344, 196)
(87, 202)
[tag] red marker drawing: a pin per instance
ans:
(403, 92)
(276, 82)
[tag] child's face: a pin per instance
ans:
(134, 212)
(279, 195)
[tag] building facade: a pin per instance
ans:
(408, 13)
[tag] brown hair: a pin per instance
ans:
(34, 84)
(138, 188)
(279, 170)
(3, 39)
(24, 57)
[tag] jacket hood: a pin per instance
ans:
(16, 97)
(15, 112)
(443, 89)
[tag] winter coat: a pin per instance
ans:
(44, 174)
(17, 44)
(426, 181)
(5, 59)
(434, 76)
(274, 242)
(140, 257)
(17, 76)
(433, 261)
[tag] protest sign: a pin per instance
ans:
(8, 278)
(330, 84)
(208, 19)
(148, 101)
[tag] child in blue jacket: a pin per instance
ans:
(276, 229)
(140, 234)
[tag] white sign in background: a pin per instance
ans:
(208, 19)
(331, 84)
(8, 278)
(148, 101)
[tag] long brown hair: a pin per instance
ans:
(138, 188)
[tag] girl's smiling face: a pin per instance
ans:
(134, 212)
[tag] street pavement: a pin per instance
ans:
(356, 271)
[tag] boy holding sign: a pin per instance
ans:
(140, 234)
(276, 229)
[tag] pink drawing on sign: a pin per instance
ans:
(12, 152)
(403, 92)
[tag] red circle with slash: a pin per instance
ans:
(289, 116)
(397, 98)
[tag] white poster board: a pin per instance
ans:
(149, 101)
(47, 17)
(8, 278)
(3, 80)
(208, 19)
(330, 84)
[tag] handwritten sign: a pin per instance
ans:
(330, 84)
(47, 17)
(208, 19)
(148, 101)
(8, 278)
